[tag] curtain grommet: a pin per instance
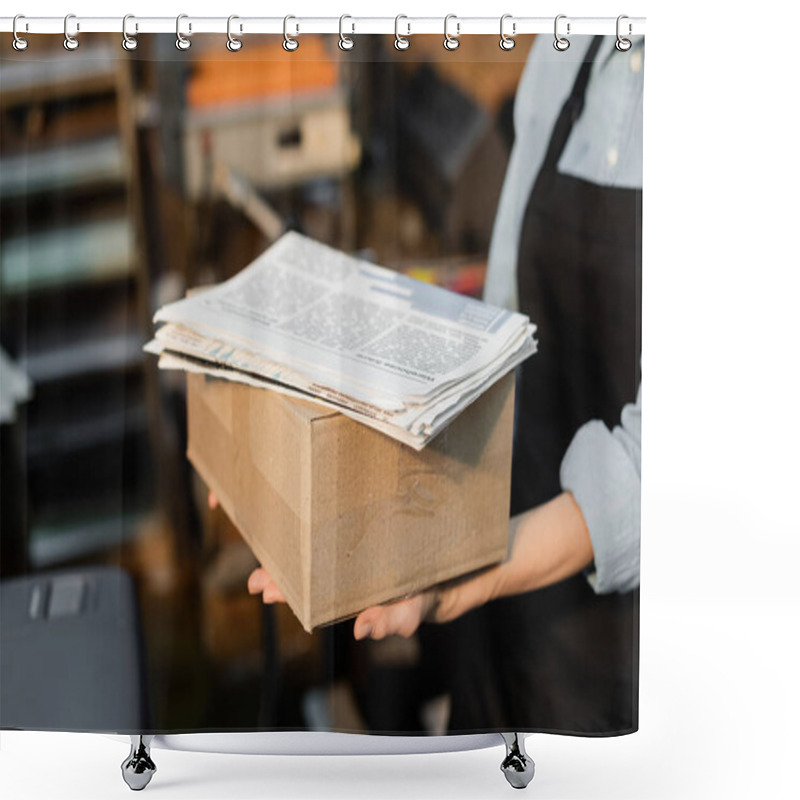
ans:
(182, 42)
(18, 43)
(345, 42)
(129, 42)
(451, 42)
(622, 44)
(233, 44)
(290, 44)
(561, 43)
(71, 43)
(507, 42)
(401, 42)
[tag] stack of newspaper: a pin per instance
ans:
(394, 353)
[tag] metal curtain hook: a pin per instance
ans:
(128, 42)
(233, 44)
(561, 43)
(623, 44)
(400, 42)
(345, 42)
(70, 42)
(451, 42)
(19, 43)
(506, 42)
(181, 42)
(290, 44)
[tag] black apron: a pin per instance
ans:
(563, 658)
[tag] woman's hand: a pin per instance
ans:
(547, 544)
(402, 617)
(260, 582)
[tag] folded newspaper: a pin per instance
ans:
(394, 353)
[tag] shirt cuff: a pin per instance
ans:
(598, 471)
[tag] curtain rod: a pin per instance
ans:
(297, 26)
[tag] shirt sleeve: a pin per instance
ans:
(603, 470)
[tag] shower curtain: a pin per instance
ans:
(131, 177)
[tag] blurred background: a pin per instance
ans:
(127, 178)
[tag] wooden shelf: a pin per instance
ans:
(99, 354)
(63, 540)
(91, 164)
(96, 251)
(75, 289)
(27, 82)
(47, 442)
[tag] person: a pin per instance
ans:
(552, 637)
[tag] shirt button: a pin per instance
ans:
(636, 61)
(612, 156)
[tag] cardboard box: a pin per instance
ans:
(344, 517)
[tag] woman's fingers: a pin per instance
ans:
(257, 580)
(401, 618)
(213, 500)
(260, 582)
(272, 594)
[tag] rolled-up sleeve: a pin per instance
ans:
(602, 469)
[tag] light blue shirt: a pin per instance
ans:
(601, 468)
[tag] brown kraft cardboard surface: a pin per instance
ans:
(344, 517)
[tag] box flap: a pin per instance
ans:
(306, 410)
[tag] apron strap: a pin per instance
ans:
(572, 108)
